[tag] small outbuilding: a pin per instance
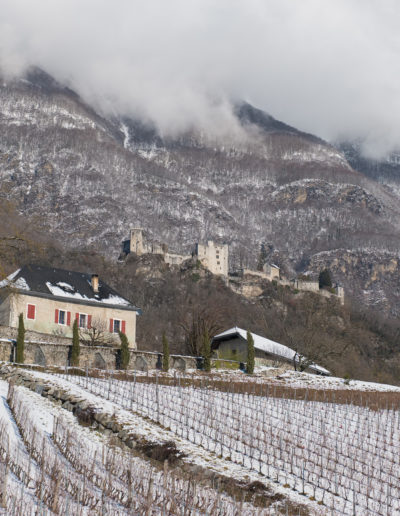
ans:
(232, 345)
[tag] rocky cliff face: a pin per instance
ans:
(86, 179)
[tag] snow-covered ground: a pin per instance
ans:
(343, 456)
(278, 376)
(297, 379)
(56, 466)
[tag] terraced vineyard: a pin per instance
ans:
(319, 457)
(51, 464)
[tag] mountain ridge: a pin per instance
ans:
(86, 179)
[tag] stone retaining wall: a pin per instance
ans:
(49, 350)
(7, 332)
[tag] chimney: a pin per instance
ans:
(95, 283)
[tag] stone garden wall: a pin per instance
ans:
(49, 350)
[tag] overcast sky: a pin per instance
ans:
(330, 67)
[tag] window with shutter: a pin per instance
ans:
(31, 312)
(117, 326)
(61, 317)
(82, 322)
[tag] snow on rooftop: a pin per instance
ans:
(21, 284)
(115, 300)
(68, 291)
(6, 282)
(66, 286)
(269, 346)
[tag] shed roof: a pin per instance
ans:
(266, 345)
(71, 286)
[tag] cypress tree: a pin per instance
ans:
(20, 340)
(250, 353)
(165, 347)
(124, 350)
(75, 350)
(207, 352)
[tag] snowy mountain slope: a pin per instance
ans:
(86, 178)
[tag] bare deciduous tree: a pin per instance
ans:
(303, 323)
(197, 323)
(98, 334)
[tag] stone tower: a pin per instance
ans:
(136, 239)
(214, 257)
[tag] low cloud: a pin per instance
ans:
(331, 68)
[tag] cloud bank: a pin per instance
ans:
(331, 68)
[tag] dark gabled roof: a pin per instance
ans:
(69, 286)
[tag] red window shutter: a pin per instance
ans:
(77, 317)
(68, 318)
(89, 321)
(111, 325)
(56, 316)
(31, 312)
(123, 326)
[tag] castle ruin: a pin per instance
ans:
(213, 257)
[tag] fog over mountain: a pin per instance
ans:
(330, 68)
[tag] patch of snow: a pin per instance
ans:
(21, 284)
(114, 300)
(56, 290)
(125, 131)
(65, 285)
(6, 282)
(298, 379)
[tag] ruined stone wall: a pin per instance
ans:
(176, 259)
(306, 286)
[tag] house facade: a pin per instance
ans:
(51, 299)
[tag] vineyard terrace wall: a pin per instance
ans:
(48, 350)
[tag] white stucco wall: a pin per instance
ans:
(45, 315)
